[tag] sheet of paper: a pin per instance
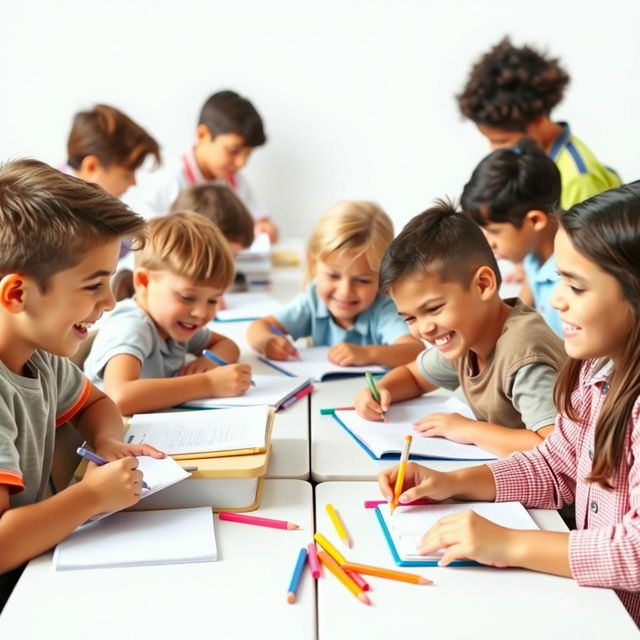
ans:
(408, 525)
(248, 306)
(388, 437)
(141, 538)
(180, 432)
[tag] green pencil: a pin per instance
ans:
(374, 393)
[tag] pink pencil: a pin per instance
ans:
(261, 522)
(372, 504)
(314, 562)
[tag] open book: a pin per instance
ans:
(204, 434)
(247, 306)
(273, 390)
(384, 440)
(405, 528)
(314, 364)
(131, 538)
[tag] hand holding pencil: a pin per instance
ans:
(372, 406)
(418, 482)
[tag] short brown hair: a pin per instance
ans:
(111, 136)
(49, 220)
(221, 205)
(189, 245)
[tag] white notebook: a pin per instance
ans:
(247, 306)
(387, 438)
(269, 390)
(314, 364)
(134, 538)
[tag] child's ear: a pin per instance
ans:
(12, 292)
(537, 219)
(141, 278)
(89, 166)
(486, 282)
(203, 134)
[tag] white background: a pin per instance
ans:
(357, 96)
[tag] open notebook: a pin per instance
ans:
(247, 306)
(404, 529)
(206, 434)
(131, 538)
(268, 390)
(384, 440)
(314, 364)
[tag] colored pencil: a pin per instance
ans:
(343, 534)
(331, 411)
(261, 522)
(372, 504)
(218, 360)
(340, 559)
(277, 331)
(314, 562)
(381, 572)
(334, 567)
(374, 392)
(401, 471)
(295, 578)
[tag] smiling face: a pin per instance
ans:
(178, 306)
(597, 319)
(346, 285)
(220, 157)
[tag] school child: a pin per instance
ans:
(106, 147)
(342, 307)
(59, 240)
(443, 277)
(512, 195)
(229, 129)
(510, 93)
(139, 352)
(593, 455)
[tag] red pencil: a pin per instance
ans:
(261, 522)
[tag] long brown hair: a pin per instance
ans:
(606, 230)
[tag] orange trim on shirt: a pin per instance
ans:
(13, 479)
(77, 405)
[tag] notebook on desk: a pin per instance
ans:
(314, 364)
(404, 529)
(138, 538)
(384, 440)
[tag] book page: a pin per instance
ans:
(183, 432)
(408, 525)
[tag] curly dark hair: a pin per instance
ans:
(510, 87)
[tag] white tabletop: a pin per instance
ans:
(335, 455)
(463, 602)
(242, 595)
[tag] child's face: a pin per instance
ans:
(178, 306)
(596, 318)
(346, 286)
(507, 241)
(223, 155)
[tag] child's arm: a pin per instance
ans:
(222, 346)
(264, 340)
(403, 350)
(133, 394)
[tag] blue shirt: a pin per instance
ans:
(306, 315)
(543, 279)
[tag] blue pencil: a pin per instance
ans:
(218, 360)
(297, 573)
(277, 331)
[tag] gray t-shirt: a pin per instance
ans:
(129, 330)
(30, 410)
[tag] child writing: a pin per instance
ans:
(593, 455)
(139, 353)
(59, 241)
(512, 195)
(510, 94)
(443, 277)
(229, 129)
(342, 307)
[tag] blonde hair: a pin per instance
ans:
(190, 245)
(356, 227)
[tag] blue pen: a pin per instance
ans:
(218, 360)
(277, 331)
(297, 573)
(94, 457)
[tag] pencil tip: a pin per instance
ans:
(347, 542)
(292, 525)
(422, 580)
(291, 597)
(363, 598)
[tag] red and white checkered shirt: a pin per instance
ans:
(604, 551)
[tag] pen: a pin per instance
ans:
(218, 360)
(400, 478)
(294, 398)
(374, 392)
(94, 457)
(277, 331)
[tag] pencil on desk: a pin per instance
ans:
(295, 578)
(261, 522)
(374, 393)
(381, 572)
(343, 534)
(218, 360)
(339, 573)
(340, 559)
(401, 471)
(331, 411)
(314, 562)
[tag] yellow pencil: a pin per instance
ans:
(337, 571)
(329, 548)
(343, 534)
(401, 470)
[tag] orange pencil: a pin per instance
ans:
(401, 470)
(381, 572)
(340, 559)
(334, 567)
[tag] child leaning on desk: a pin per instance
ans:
(342, 307)
(444, 279)
(59, 243)
(593, 455)
(139, 353)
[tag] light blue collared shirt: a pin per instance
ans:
(543, 279)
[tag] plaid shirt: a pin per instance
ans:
(604, 551)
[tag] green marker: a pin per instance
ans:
(374, 392)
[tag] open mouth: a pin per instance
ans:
(442, 341)
(82, 328)
(570, 330)
(188, 326)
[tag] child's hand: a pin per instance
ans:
(264, 225)
(469, 536)
(112, 449)
(230, 380)
(451, 426)
(279, 348)
(419, 482)
(199, 365)
(368, 408)
(345, 354)
(116, 485)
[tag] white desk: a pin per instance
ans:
(335, 455)
(242, 595)
(463, 602)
